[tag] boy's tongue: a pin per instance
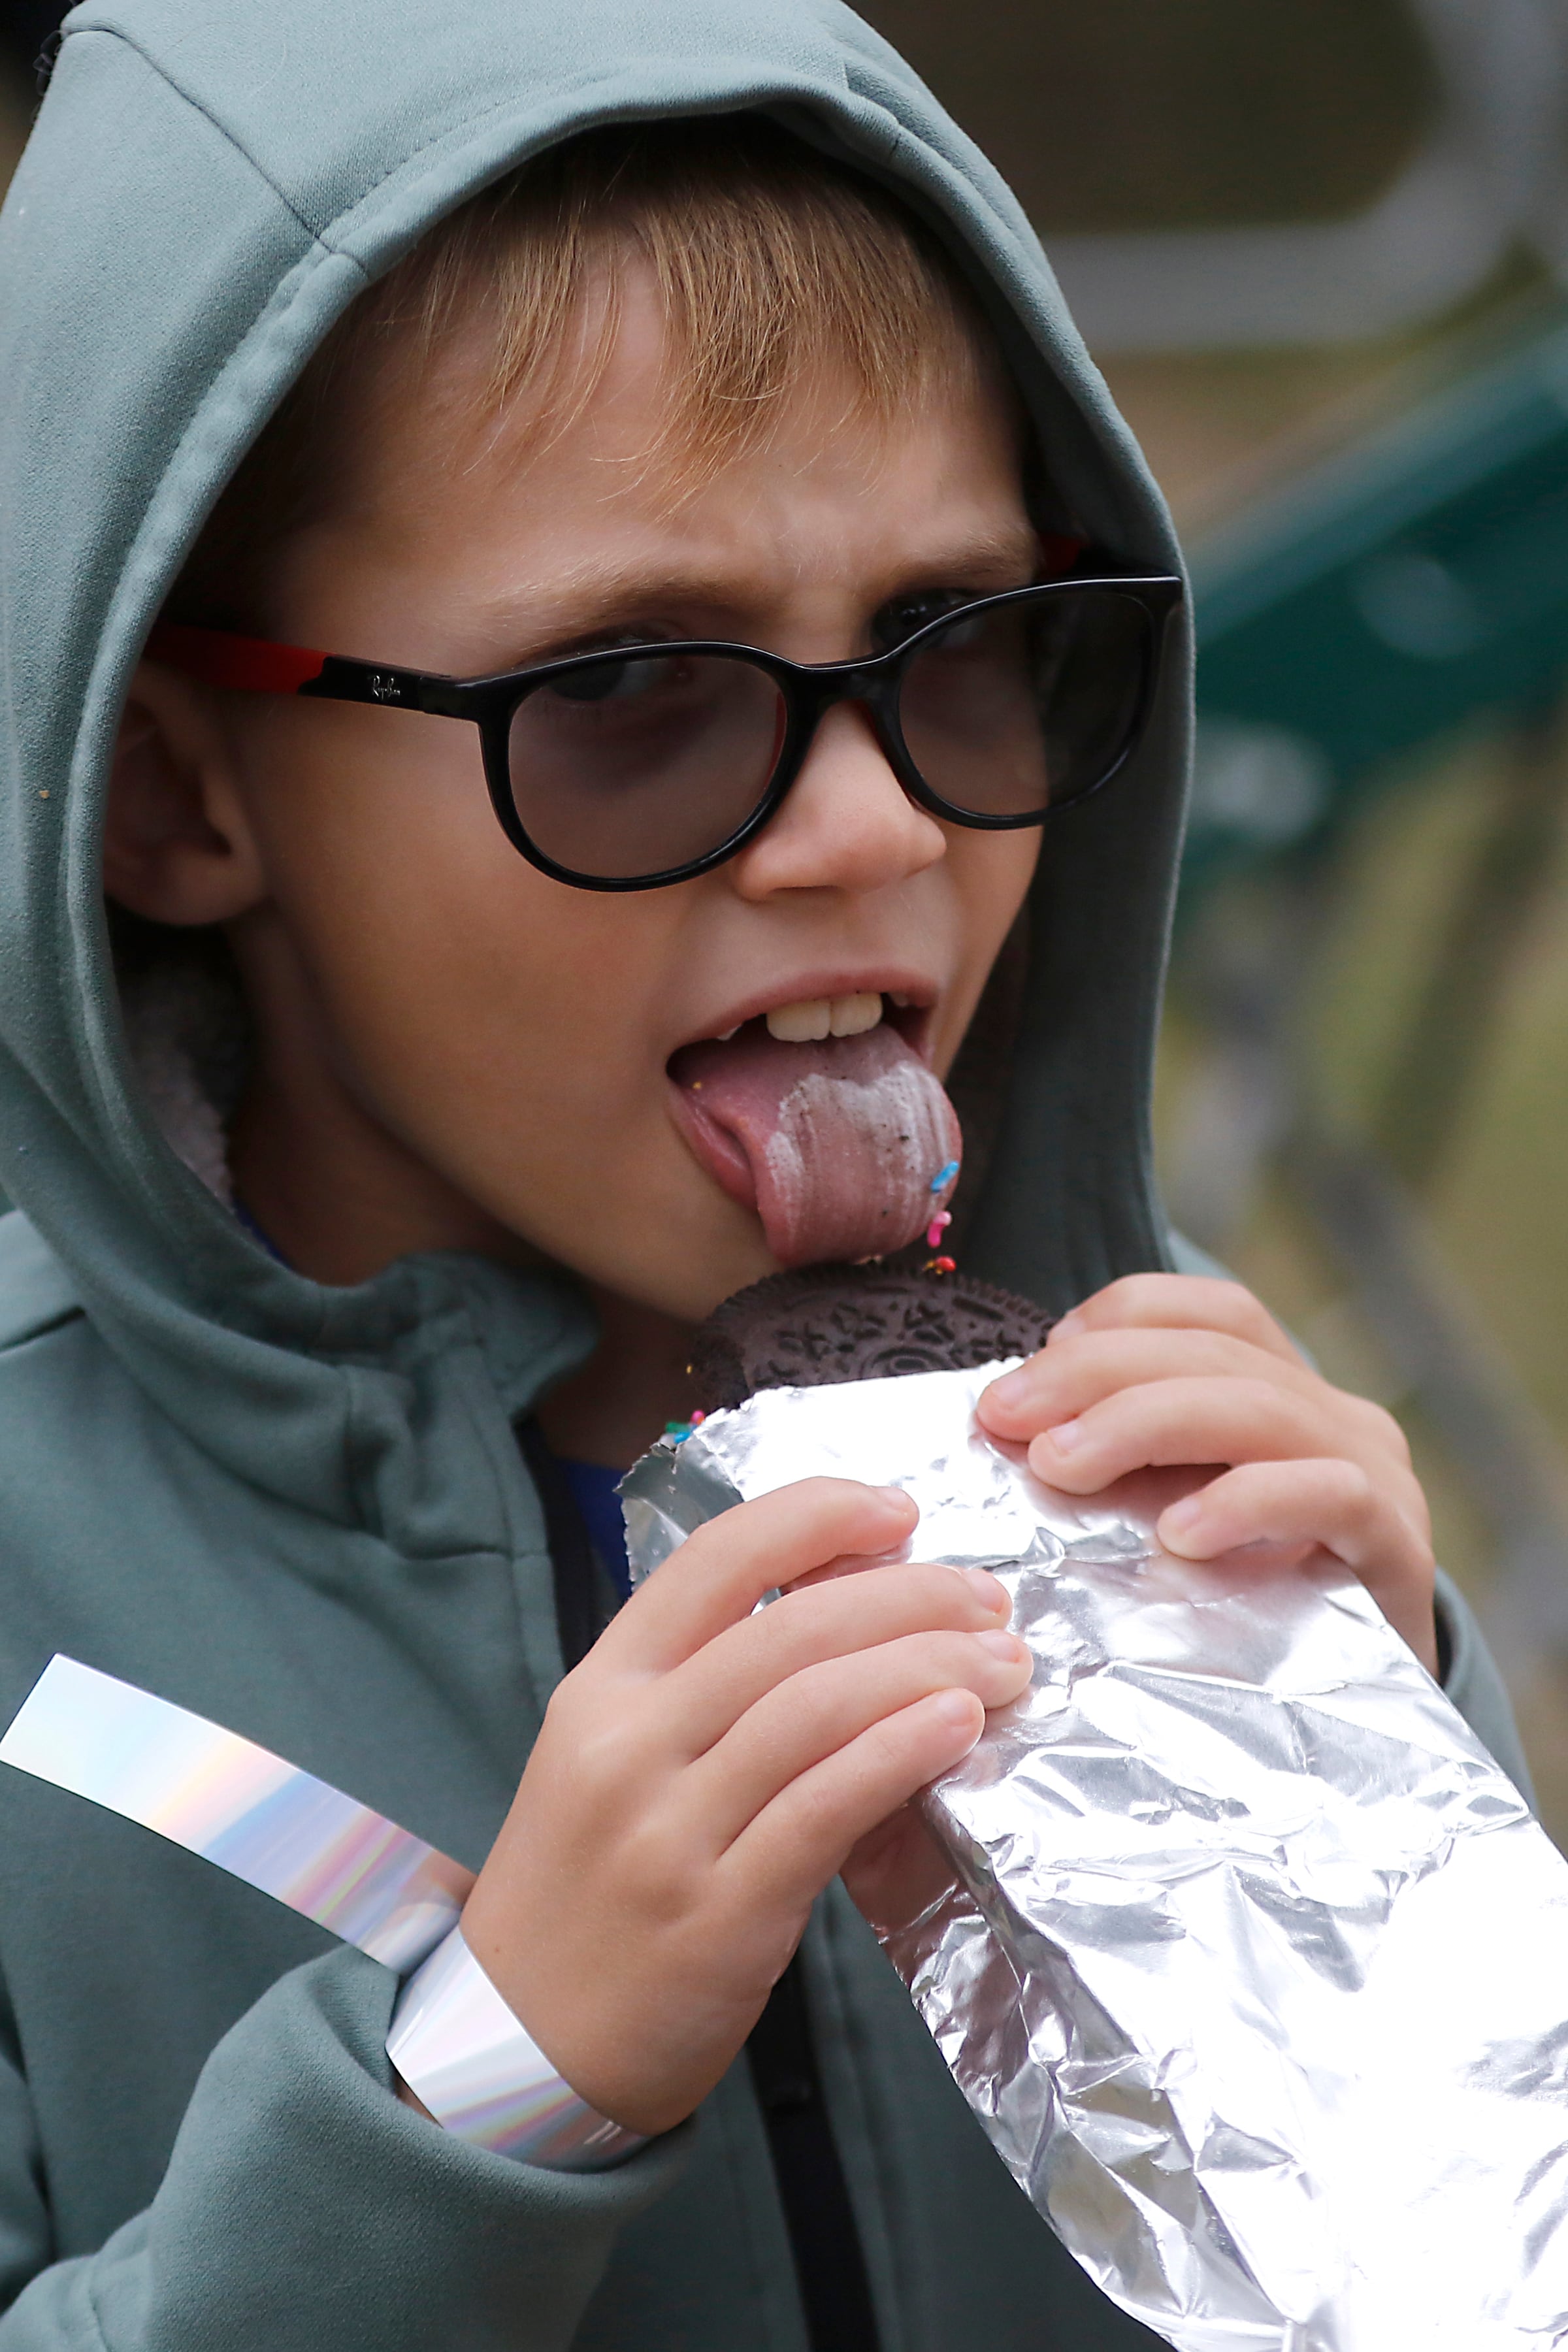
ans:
(835, 1144)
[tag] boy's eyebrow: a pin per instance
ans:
(590, 594)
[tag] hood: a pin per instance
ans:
(209, 184)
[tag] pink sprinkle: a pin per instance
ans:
(937, 1227)
(698, 1416)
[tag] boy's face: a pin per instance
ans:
(498, 1044)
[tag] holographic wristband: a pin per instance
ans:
(454, 2040)
(460, 2050)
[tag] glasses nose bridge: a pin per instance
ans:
(814, 690)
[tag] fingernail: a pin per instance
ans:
(987, 1590)
(1065, 1435)
(1066, 1327)
(1011, 1388)
(1002, 1646)
(1183, 1515)
(896, 1495)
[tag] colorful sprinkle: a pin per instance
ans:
(937, 1227)
(940, 1266)
(944, 1176)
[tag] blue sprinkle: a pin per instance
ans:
(944, 1176)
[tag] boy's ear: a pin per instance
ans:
(176, 846)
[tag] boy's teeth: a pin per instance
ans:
(851, 1014)
(813, 1017)
(799, 1023)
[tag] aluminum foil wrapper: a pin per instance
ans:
(1256, 1966)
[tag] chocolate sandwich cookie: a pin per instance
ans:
(822, 1324)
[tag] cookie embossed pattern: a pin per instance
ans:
(835, 1323)
(1256, 1967)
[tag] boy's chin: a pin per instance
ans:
(705, 1284)
(687, 1278)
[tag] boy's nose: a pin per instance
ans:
(846, 823)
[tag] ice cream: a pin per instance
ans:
(844, 1145)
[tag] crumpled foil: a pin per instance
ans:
(1256, 1970)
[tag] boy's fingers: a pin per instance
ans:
(1064, 1381)
(1178, 1302)
(894, 1874)
(1332, 1502)
(721, 1571)
(842, 1619)
(820, 1711)
(797, 1844)
(1171, 1422)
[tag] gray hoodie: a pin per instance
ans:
(303, 1512)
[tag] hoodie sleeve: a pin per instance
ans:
(1472, 1681)
(304, 2206)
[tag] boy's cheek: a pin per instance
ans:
(492, 1026)
(583, 1161)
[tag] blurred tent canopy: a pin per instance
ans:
(1137, 114)
(1213, 174)
(1382, 598)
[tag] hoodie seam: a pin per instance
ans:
(325, 236)
(95, 2318)
(188, 98)
(459, 134)
(508, 1547)
(456, 134)
(504, 1456)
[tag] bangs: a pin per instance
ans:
(777, 275)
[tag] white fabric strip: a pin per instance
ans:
(281, 1830)
(459, 2048)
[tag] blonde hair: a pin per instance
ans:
(778, 272)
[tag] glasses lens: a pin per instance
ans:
(1020, 709)
(625, 768)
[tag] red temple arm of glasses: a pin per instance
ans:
(217, 657)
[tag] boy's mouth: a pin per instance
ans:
(820, 1115)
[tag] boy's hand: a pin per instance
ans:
(703, 1773)
(1166, 1369)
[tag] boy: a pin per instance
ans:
(652, 427)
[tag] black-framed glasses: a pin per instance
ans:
(637, 766)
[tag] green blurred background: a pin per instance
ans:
(1318, 247)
